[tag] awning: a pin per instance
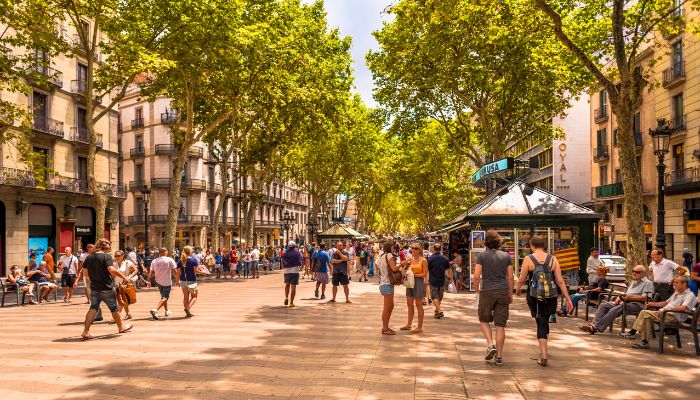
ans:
(449, 228)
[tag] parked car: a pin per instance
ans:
(616, 265)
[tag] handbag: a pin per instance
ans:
(409, 281)
(129, 292)
(395, 277)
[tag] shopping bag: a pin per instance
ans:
(408, 279)
(451, 288)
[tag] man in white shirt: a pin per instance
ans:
(661, 273)
(682, 301)
(68, 263)
(592, 265)
(350, 250)
(164, 268)
(255, 257)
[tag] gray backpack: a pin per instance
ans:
(542, 285)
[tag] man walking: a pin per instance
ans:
(291, 261)
(69, 269)
(164, 268)
(322, 261)
(493, 279)
(100, 268)
(437, 265)
(340, 272)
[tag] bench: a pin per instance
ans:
(690, 324)
(605, 294)
(8, 287)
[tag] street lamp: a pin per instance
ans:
(287, 220)
(661, 137)
(146, 192)
(311, 226)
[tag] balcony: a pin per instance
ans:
(683, 181)
(82, 136)
(196, 152)
(273, 200)
(56, 183)
(137, 152)
(48, 126)
(163, 183)
(194, 184)
(600, 115)
(166, 149)
(678, 124)
(612, 190)
(40, 74)
(214, 187)
(601, 153)
(137, 123)
(168, 117)
(674, 75)
(78, 87)
(136, 186)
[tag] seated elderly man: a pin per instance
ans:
(592, 291)
(40, 276)
(681, 301)
(640, 287)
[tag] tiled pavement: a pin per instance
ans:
(243, 344)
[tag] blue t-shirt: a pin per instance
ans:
(217, 258)
(322, 258)
(188, 273)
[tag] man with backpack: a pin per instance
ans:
(493, 280)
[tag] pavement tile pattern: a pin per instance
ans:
(243, 343)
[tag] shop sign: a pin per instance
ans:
(565, 235)
(648, 228)
(495, 167)
(620, 237)
(692, 227)
(83, 230)
(276, 233)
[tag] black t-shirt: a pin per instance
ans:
(600, 283)
(97, 265)
(437, 265)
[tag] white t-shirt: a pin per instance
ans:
(382, 264)
(351, 253)
(663, 271)
(69, 265)
(255, 254)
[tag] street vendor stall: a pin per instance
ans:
(338, 232)
(519, 211)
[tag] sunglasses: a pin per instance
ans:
(415, 248)
(637, 272)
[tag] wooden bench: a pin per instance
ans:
(690, 324)
(8, 287)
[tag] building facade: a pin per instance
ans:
(563, 169)
(147, 157)
(58, 210)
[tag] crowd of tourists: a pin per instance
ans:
(423, 270)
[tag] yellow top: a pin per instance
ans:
(417, 268)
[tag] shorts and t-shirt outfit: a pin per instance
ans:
(493, 296)
(69, 266)
(102, 288)
(340, 271)
(163, 268)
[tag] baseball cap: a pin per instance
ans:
(291, 243)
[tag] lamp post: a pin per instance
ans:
(146, 192)
(660, 138)
(311, 226)
(287, 221)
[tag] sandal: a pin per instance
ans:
(406, 328)
(86, 338)
(388, 332)
(127, 329)
(542, 362)
(416, 331)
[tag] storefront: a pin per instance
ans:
(42, 229)
(518, 212)
(84, 226)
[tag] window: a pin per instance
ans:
(602, 137)
(41, 58)
(603, 175)
(82, 173)
(618, 175)
(618, 211)
(637, 124)
(677, 57)
(614, 136)
(211, 176)
(40, 109)
(678, 157)
(138, 206)
(603, 101)
(82, 118)
(82, 72)
(211, 210)
(139, 113)
(138, 172)
(677, 110)
(139, 142)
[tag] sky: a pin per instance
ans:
(358, 19)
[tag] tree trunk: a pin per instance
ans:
(223, 196)
(251, 213)
(174, 197)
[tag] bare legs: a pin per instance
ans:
(188, 299)
(500, 336)
(289, 292)
(386, 312)
(90, 317)
(418, 301)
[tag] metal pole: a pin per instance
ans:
(145, 211)
(661, 212)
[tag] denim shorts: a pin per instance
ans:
(109, 297)
(164, 291)
(386, 290)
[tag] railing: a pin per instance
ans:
(682, 176)
(137, 152)
(214, 187)
(48, 125)
(601, 153)
(678, 123)
(195, 184)
(272, 199)
(160, 182)
(166, 149)
(78, 87)
(169, 117)
(52, 76)
(674, 75)
(600, 114)
(136, 186)
(611, 190)
(137, 123)
(55, 182)
(81, 135)
(196, 152)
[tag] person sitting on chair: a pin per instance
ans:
(591, 291)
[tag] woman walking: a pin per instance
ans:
(247, 260)
(384, 263)
(188, 278)
(543, 274)
(419, 266)
(226, 263)
(131, 272)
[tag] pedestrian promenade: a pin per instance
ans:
(243, 343)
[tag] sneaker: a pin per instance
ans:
(641, 345)
(552, 319)
(323, 296)
(286, 302)
(627, 335)
(442, 314)
(499, 360)
(490, 353)
(168, 313)
(154, 314)
(188, 313)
